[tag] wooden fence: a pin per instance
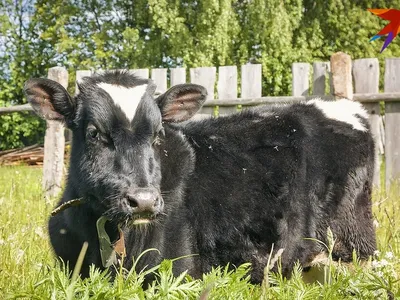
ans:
(327, 80)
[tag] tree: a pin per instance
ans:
(19, 55)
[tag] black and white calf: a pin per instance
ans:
(226, 189)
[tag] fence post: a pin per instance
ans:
(54, 143)
(392, 121)
(341, 75)
(366, 80)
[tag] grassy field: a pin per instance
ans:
(28, 269)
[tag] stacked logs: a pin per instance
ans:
(31, 156)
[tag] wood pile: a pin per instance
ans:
(31, 156)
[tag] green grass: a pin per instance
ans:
(28, 269)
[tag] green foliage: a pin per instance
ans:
(19, 129)
(29, 271)
(37, 35)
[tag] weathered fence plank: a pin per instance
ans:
(143, 73)
(320, 72)
(366, 80)
(363, 98)
(371, 98)
(79, 75)
(54, 144)
(251, 86)
(178, 76)
(227, 87)
(15, 108)
(300, 79)
(330, 80)
(206, 77)
(392, 121)
(159, 76)
(341, 75)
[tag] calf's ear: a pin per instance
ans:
(50, 100)
(181, 102)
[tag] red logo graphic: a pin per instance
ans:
(391, 29)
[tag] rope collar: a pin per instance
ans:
(65, 205)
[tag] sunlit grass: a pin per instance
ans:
(24, 247)
(28, 269)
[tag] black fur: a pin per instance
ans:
(229, 188)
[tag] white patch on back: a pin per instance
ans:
(342, 110)
(126, 98)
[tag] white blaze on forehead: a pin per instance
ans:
(126, 98)
(343, 110)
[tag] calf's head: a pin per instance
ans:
(118, 137)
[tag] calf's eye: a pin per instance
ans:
(161, 132)
(92, 133)
(157, 141)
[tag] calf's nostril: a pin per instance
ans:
(131, 200)
(143, 201)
